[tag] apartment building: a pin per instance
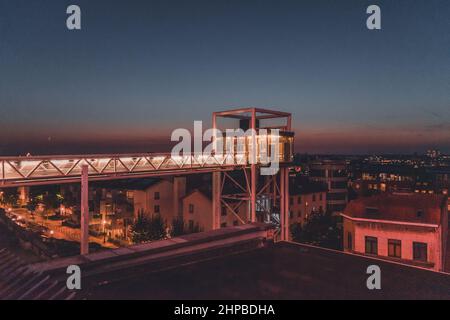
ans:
(163, 197)
(334, 175)
(306, 198)
(405, 227)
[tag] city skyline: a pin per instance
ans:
(135, 73)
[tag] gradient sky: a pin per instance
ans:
(139, 69)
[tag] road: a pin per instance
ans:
(56, 229)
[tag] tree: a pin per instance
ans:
(148, 229)
(157, 228)
(179, 228)
(320, 229)
(51, 201)
(139, 229)
(32, 204)
(10, 197)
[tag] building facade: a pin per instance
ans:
(409, 228)
(334, 175)
(306, 201)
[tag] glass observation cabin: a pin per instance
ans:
(269, 126)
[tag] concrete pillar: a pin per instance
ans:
(253, 187)
(253, 157)
(284, 203)
(84, 240)
(24, 195)
(216, 199)
(282, 194)
(287, 198)
(179, 191)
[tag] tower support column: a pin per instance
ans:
(253, 159)
(253, 187)
(284, 203)
(216, 199)
(84, 239)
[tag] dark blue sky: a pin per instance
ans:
(139, 69)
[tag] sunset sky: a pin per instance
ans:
(139, 69)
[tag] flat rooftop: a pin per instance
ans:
(280, 271)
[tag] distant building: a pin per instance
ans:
(306, 198)
(334, 175)
(433, 153)
(408, 227)
(163, 197)
(376, 178)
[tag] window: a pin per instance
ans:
(223, 225)
(299, 214)
(156, 196)
(191, 225)
(394, 248)
(224, 211)
(419, 213)
(191, 208)
(291, 214)
(349, 241)
(371, 245)
(420, 251)
(320, 197)
(299, 199)
(130, 194)
(314, 198)
(235, 223)
(156, 208)
(291, 201)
